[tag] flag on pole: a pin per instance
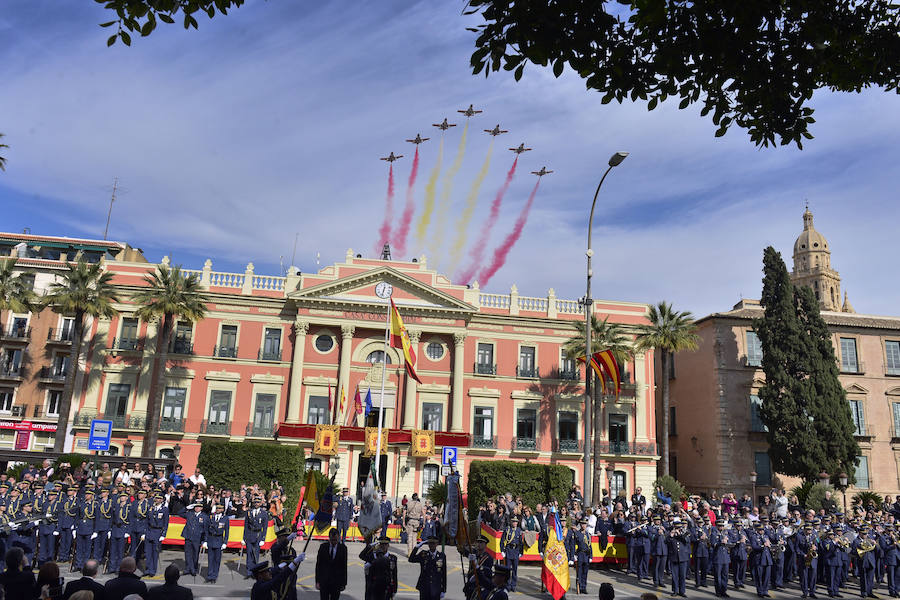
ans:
(607, 362)
(325, 508)
(368, 402)
(598, 371)
(330, 402)
(370, 509)
(555, 568)
(343, 404)
(357, 407)
(400, 339)
(312, 494)
(303, 490)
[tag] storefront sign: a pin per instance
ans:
(22, 439)
(27, 426)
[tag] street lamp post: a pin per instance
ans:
(614, 161)
(753, 483)
(843, 480)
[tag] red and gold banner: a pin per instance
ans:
(615, 552)
(235, 533)
(422, 442)
(372, 441)
(327, 437)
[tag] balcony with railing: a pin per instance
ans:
(128, 344)
(11, 372)
(40, 412)
(525, 444)
(19, 411)
(484, 442)
(171, 425)
(52, 375)
(260, 431)
(215, 427)
(135, 421)
(57, 335)
(225, 352)
(569, 375)
(269, 355)
(485, 369)
(568, 446)
(528, 372)
(629, 448)
(15, 333)
(184, 347)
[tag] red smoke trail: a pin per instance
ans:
(503, 250)
(384, 233)
(406, 219)
(477, 251)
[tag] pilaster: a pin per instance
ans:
(295, 399)
(459, 346)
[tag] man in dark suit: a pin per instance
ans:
(126, 583)
(170, 590)
(87, 582)
(432, 582)
(331, 567)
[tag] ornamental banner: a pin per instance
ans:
(372, 441)
(327, 437)
(422, 442)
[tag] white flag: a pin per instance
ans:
(370, 509)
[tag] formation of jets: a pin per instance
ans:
(520, 149)
(496, 131)
(469, 112)
(542, 172)
(444, 126)
(391, 158)
(418, 139)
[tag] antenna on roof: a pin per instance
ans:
(111, 200)
(294, 253)
(318, 256)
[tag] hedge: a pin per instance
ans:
(533, 482)
(231, 464)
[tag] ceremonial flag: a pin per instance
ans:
(325, 508)
(608, 363)
(312, 494)
(357, 407)
(400, 339)
(452, 505)
(370, 509)
(598, 371)
(555, 568)
(330, 401)
(343, 404)
(368, 402)
(302, 495)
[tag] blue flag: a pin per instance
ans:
(368, 402)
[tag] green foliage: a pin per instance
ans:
(866, 499)
(670, 485)
(322, 481)
(752, 65)
(533, 482)
(802, 492)
(230, 464)
(14, 294)
(142, 16)
(437, 493)
(816, 495)
(16, 471)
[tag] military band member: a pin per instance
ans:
(102, 524)
(256, 524)
(760, 558)
(512, 543)
(833, 562)
(481, 571)
(432, 582)
(157, 525)
(658, 550)
(139, 510)
(701, 544)
(119, 532)
(738, 541)
(25, 534)
(381, 570)
(891, 552)
(580, 552)
(679, 556)
(863, 547)
(194, 534)
(807, 559)
(778, 538)
(216, 539)
(343, 513)
(720, 558)
(5, 533)
(84, 529)
(48, 509)
(642, 548)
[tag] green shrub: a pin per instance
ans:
(16, 471)
(230, 464)
(864, 499)
(670, 485)
(802, 492)
(533, 482)
(437, 493)
(816, 495)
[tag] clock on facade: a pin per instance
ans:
(384, 290)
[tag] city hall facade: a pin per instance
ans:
(274, 356)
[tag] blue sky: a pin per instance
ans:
(229, 140)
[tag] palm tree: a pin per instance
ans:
(15, 295)
(171, 295)
(668, 332)
(604, 336)
(85, 289)
(2, 159)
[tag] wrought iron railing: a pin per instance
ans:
(485, 369)
(225, 351)
(61, 335)
(131, 421)
(635, 448)
(569, 375)
(16, 332)
(569, 446)
(127, 344)
(215, 427)
(254, 430)
(10, 371)
(182, 347)
(273, 355)
(525, 443)
(528, 372)
(53, 374)
(172, 425)
(484, 442)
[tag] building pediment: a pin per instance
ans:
(358, 290)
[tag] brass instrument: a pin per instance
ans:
(633, 529)
(865, 545)
(842, 541)
(811, 555)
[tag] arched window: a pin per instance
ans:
(377, 356)
(429, 477)
(166, 453)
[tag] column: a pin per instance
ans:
(409, 401)
(641, 403)
(295, 400)
(344, 373)
(459, 346)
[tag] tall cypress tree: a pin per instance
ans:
(788, 399)
(832, 421)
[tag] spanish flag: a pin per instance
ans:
(400, 339)
(608, 362)
(555, 569)
(598, 371)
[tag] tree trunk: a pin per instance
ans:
(151, 433)
(664, 383)
(65, 403)
(597, 427)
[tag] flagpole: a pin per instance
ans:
(384, 363)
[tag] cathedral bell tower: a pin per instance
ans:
(812, 266)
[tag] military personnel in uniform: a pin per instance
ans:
(891, 559)
(194, 534)
(68, 513)
(119, 532)
(863, 547)
(414, 515)
(700, 540)
(381, 570)
(512, 543)
(720, 558)
(386, 511)
(659, 550)
(578, 547)
(281, 550)
(102, 524)
(498, 584)
(343, 513)
(760, 558)
(216, 540)
(26, 533)
(738, 541)
(432, 582)
(481, 571)
(807, 558)
(157, 525)
(84, 529)
(4, 535)
(431, 527)
(48, 509)
(679, 556)
(642, 548)
(139, 510)
(256, 523)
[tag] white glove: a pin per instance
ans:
(94, 535)
(127, 536)
(300, 558)
(204, 546)
(571, 563)
(162, 537)
(55, 533)
(142, 537)
(13, 525)
(73, 533)
(503, 555)
(243, 543)
(261, 544)
(472, 557)
(36, 523)
(420, 544)
(108, 534)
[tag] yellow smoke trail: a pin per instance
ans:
(430, 190)
(471, 200)
(437, 240)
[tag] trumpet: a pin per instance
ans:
(842, 541)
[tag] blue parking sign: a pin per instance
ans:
(101, 434)
(449, 456)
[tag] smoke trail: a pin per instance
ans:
(503, 249)
(384, 233)
(430, 188)
(406, 219)
(466, 217)
(477, 251)
(444, 203)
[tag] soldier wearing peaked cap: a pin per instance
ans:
(256, 524)
(498, 584)
(512, 544)
(196, 523)
(343, 513)
(47, 509)
(102, 523)
(432, 582)
(157, 525)
(381, 570)
(121, 525)
(578, 547)
(84, 529)
(216, 540)
(481, 571)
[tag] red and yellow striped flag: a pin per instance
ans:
(608, 362)
(555, 569)
(400, 339)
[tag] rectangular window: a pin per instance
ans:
(862, 473)
(11, 362)
(616, 483)
(182, 341)
(219, 411)
(756, 422)
(763, 468)
(228, 341)
(484, 423)
(117, 401)
(618, 433)
(19, 327)
(60, 365)
(6, 400)
(264, 414)
(317, 413)
(754, 350)
(432, 416)
(173, 406)
(429, 477)
(673, 422)
(526, 362)
(849, 364)
(128, 340)
(271, 349)
(67, 329)
(567, 368)
(54, 397)
(859, 417)
(485, 359)
(568, 426)
(896, 407)
(892, 352)
(526, 424)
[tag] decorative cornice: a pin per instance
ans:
(223, 376)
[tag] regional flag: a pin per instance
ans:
(368, 402)
(325, 509)
(357, 407)
(343, 404)
(555, 568)
(400, 339)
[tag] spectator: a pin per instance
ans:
(828, 504)
(29, 472)
(136, 473)
(662, 496)
(126, 583)
(729, 504)
(606, 591)
(47, 469)
(197, 478)
(17, 580)
(122, 475)
(87, 582)
(781, 503)
(170, 590)
(176, 477)
(49, 584)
